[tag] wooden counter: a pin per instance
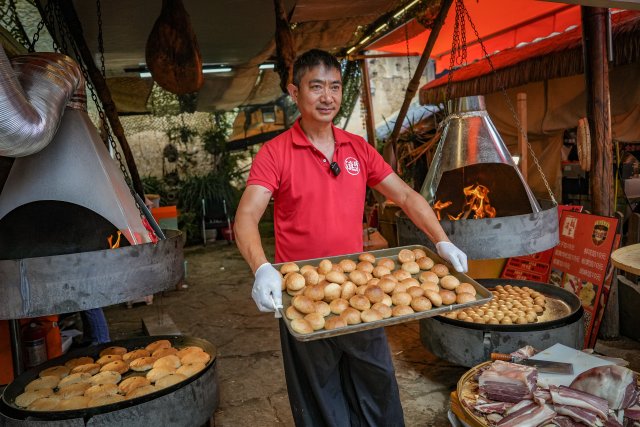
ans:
(627, 258)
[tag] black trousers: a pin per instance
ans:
(348, 380)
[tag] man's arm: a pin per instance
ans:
(419, 211)
(252, 205)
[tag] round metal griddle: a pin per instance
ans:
(562, 307)
(202, 394)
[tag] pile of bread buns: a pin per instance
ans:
(336, 294)
(511, 305)
(117, 375)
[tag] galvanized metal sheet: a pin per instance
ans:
(483, 296)
(32, 287)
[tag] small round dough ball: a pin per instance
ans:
(384, 310)
(448, 297)
(347, 265)
(358, 277)
(449, 282)
(466, 288)
(506, 321)
(401, 310)
(531, 317)
(421, 304)
(301, 326)
(411, 267)
(289, 267)
(493, 321)
(334, 323)
(538, 308)
(387, 262)
(521, 320)
(401, 298)
(380, 271)
(405, 255)
(370, 315)
(425, 263)
(316, 320)
(360, 302)
(440, 270)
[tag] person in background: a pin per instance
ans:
(317, 175)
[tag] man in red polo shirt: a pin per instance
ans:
(317, 175)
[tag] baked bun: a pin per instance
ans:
(73, 403)
(127, 357)
(338, 305)
(295, 281)
(171, 362)
(131, 383)
(401, 274)
(401, 298)
(380, 271)
(316, 320)
(46, 382)
(144, 363)
(358, 277)
(289, 267)
(78, 361)
(448, 297)
(323, 308)
(434, 297)
(100, 390)
(336, 277)
(440, 269)
(347, 265)
(190, 349)
(430, 286)
(170, 380)
(105, 400)
(156, 373)
(81, 377)
(315, 292)
(360, 302)
(415, 291)
(301, 326)
(162, 352)
(108, 358)
(410, 282)
(157, 345)
(466, 288)
(332, 291)
(194, 357)
(374, 294)
(140, 391)
(405, 255)
(421, 304)
(449, 282)
(463, 298)
(386, 262)
(113, 350)
(306, 268)
(429, 276)
(72, 390)
(44, 404)
(119, 366)
(89, 368)
(401, 310)
(291, 314)
(365, 266)
(348, 290)
(28, 397)
(190, 369)
(419, 253)
(106, 377)
(304, 304)
(334, 323)
(325, 266)
(387, 301)
(351, 316)
(311, 277)
(384, 310)
(370, 315)
(411, 267)
(387, 285)
(366, 256)
(425, 263)
(55, 371)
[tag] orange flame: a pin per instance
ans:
(117, 243)
(476, 201)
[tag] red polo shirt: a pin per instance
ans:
(317, 214)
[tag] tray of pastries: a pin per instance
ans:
(109, 376)
(333, 296)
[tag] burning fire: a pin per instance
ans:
(477, 201)
(117, 243)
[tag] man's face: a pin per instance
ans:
(319, 94)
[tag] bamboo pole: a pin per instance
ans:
(285, 48)
(596, 67)
(75, 29)
(366, 97)
(414, 84)
(522, 140)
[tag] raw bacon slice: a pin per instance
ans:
(582, 415)
(493, 407)
(614, 383)
(518, 406)
(633, 412)
(529, 416)
(508, 382)
(612, 421)
(562, 421)
(542, 396)
(569, 397)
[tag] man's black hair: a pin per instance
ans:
(312, 58)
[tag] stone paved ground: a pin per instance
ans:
(217, 306)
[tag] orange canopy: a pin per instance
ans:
(501, 24)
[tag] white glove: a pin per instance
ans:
(267, 289)
(455, 256)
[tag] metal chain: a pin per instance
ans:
(65, 32)
(458, 53)
(100, 38)
(36, 35)
(521, 131)
(406, 39)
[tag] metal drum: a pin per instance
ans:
(189, 403)
(467, 344)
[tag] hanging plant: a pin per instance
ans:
(351, 84)
(170, 152)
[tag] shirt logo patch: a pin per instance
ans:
(352, 166)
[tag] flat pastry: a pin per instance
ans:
(73, 403)
(164, 352)
(171, 362)
(108, 358)
(157, 345)
(44, 404)
(186, 350)
(156, 373)
(89, 368)
(142, 364)
(190, 369)
(141, 391)
(78, 361)
(71, 390)
(113, 350)
(100, 390)
(105, 400)
(196, 357)
(129, 384)
(119, 366)
(135, 354)
(48, 381)
(106, 377)
(80, 377)
(169, 380)
(28, 397)
(56, 371)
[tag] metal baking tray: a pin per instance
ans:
(482, 295)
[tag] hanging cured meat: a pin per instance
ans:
(172, 52)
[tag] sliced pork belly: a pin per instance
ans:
(563, 421)
(508, 382)
(531, 415)
(566, 396)
(542, 396)
(633, 412)
(582, 415)
(614, 383)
